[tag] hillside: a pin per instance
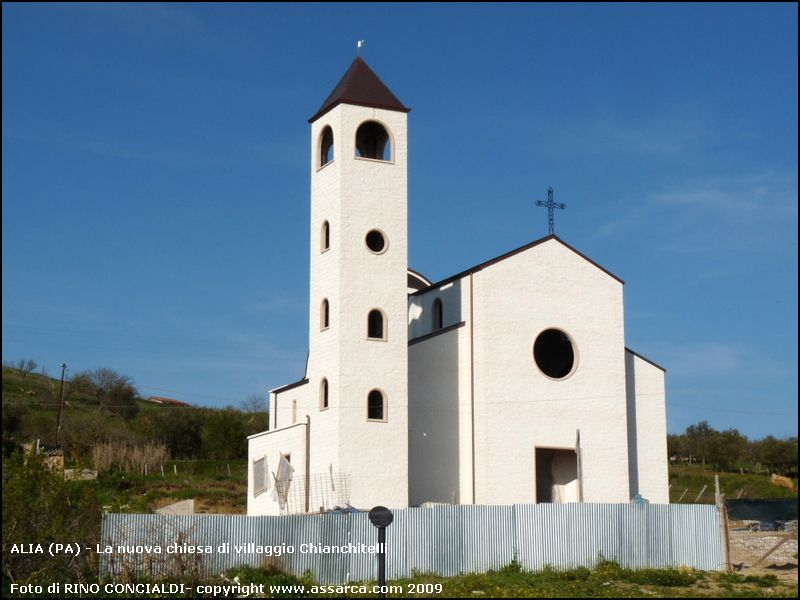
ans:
(194, 452)
(686, 483)
(116, 413)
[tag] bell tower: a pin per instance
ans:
(358, 328)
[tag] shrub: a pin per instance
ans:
(762, 580)
(662, 577)
(513, 567)
(39, 507)
(606, 569)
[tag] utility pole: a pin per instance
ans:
(60, 404)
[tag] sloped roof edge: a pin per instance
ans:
(511, 253)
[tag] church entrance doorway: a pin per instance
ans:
(557, 475)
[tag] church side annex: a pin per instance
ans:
(507, 383)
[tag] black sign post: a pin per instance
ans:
(381, 517)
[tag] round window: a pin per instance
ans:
(554, 354)
(376, 241)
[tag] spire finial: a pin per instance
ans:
(359, 44)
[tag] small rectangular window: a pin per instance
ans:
(259, 476)
(325, 237)
(438, 315)
(323, 395)
(294, 412)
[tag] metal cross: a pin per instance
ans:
(550, 206)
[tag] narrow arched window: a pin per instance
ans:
(438, 315)
(376, 406)
(372, 141)
(326, 147)
(325, 237)
(324, 314)
(323, 394)
(376, 327)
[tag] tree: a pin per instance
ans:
(255, 403)
(776, 454)
(13, 415)
(224, 435)
(112, 390)
(83, 429)
(37, 424)
(698, 439)
(676, 445)
(729, 449)
(79, 384)
(181, 432)
(256, 413)
(25, 366)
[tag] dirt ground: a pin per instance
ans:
(748, 547)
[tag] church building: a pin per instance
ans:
(507, 383)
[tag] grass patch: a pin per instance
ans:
(759, 580)
(206, 481)
(660, 577)
(694, 477)
(606, 580)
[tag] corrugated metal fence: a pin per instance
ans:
(445, 539)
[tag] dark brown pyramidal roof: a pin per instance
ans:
(360, 86)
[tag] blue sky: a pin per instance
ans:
(156, 179)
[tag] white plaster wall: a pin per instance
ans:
(647, 430)
(517, 407)
(281, 406)
(324, 433)
(434, 388)
(271, 444)
(438, 401)
(356, 195)
(325, 274)
(420, 309)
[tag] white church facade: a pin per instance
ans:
(507, 383)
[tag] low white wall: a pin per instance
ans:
(270, 445)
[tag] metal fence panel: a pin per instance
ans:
(447, 540)
(362, 566)
(487, 539)
(659, 543)
(695, 536)
(433, 539)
